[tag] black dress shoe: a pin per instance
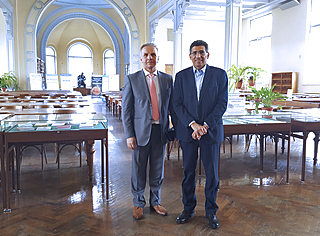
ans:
(213, 221)
(184, 217)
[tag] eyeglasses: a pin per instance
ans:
(201, 53)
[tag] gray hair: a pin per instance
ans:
(148, 44)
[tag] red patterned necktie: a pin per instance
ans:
(154, 100)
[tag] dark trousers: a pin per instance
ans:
(209, 154)
(154, 151)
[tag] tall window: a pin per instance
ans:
(109, 65)
(51, 61)
(80, 60)
(259, 51)
(312, 57)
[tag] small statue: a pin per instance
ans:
(81, 79)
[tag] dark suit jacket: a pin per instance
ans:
(211, 105)
(137, 109)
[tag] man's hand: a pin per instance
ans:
(132, 143)
(196, 136)
(198, 130)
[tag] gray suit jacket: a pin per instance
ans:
(137, 109)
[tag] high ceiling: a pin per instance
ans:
(201, 9)
(83, 3)
(215, 9)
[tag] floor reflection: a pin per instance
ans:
(263, 181)
(77, 197)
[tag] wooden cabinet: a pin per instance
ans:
(284, 81)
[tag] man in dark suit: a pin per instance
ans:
(145, 106)
(199, 100)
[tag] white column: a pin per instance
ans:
(9, 38)
(152, 30)
(177, 52)
(233, 29)
(178, 15)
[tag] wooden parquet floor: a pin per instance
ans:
(63, 202)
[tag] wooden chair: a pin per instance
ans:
(37, 95)
(57, 106)
(16, 100)
(120, 109)
(65, 111)
(10, 107)
(69, 105)
(45, 106)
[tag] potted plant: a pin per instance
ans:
(266, 96)
(9, 81)
(236, 76)
(254, 74)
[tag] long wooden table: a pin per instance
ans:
(305, 121)
(12, 136)
(36, 93)
(261, 126)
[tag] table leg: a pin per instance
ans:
(288, 155)
(282, 148)
(231, 146)
(102, 160)
(18, 162)
(6, 164)
(276, 139)
(261, 151)
(3, 176)
(316, 141)
(13, 182)
(304, 148)
(107, 165)
(90, 151)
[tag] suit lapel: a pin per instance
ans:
(162, 86)
(142, 80)
(192, 83)
(206, 81)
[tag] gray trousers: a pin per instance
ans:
(154, 151)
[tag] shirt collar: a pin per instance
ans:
(203, 69)
(146, 73)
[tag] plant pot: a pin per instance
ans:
(4, 89)
(239, 85)
(251, 82)
(267, 111)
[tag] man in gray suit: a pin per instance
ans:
(145, 109)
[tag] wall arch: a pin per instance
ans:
(95, 19)
(39, 8)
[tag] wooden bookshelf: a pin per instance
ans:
(284, 81)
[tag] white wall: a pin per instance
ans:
(210, 31)
(3, 48)
(213, 32)
(288, 41)
(165, 47)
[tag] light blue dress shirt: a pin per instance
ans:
(199, 75)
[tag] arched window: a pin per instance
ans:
(80, 60)
(51, 60)
(109, 66)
